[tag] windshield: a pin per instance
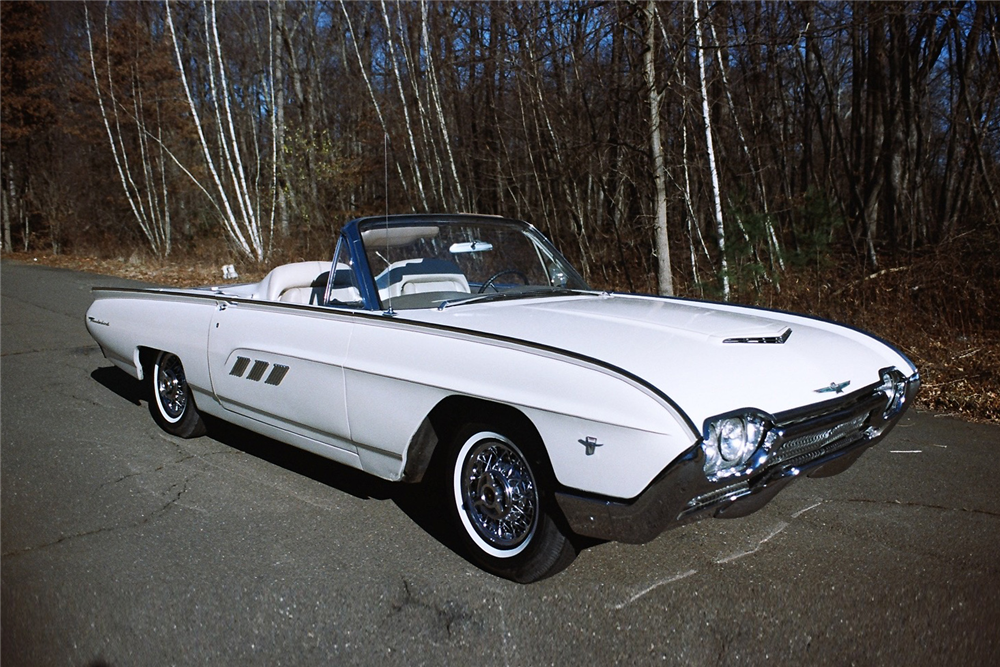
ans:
(427, 264)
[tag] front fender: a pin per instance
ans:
(570, 400)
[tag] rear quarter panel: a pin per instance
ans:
(123, 321)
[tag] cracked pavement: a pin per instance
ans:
(122, 545)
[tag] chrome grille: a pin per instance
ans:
(809, 446)
(730, 492)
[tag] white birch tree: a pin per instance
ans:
(143, 179)
(710, 149)
(236, 203)
(417, 173)
(665, 279)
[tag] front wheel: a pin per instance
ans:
(172, 405)
(501, 506)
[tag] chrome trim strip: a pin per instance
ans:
(765, 340)
(379, 319)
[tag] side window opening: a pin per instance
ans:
(342, 287)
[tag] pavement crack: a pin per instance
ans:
(653, 587)
(84, 349)
(106, 529)
(740, 554)
(444, 616)
(122, 479)
(140, 473)
(969, 510)
(172, 501)
(64, 538)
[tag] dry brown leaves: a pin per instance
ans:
(181, 273)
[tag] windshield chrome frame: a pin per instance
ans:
(351, 234)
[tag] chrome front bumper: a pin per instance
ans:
(820, 441)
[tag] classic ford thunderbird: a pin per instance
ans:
(464, 352)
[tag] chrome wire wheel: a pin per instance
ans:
(496, 494)
(172, 405)
(171, 387)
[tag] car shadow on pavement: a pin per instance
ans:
(421, 502)
(121, 383)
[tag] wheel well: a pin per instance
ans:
(448, 416)
(147, 357)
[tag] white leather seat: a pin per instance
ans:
(301, 282)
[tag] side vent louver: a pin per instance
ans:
(277, 375)
(240, 366)
(274, 378)
(257, 372)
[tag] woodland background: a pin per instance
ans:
(840, 159)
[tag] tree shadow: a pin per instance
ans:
(421, 502)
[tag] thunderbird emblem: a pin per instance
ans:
(591, 444)
(835, 387)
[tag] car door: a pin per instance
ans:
(283, 365)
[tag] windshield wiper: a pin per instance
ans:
(512, 294)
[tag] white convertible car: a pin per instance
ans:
(464, 352)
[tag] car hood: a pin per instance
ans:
(709, 358)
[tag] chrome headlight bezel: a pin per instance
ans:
(894, 385)
(732, 443)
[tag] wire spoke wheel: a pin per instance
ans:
(499, 489)
(498, 494)
(173, 406)
(171, 387)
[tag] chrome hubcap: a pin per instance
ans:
(170, 385)
(499, 494)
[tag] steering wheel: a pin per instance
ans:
(489, 282)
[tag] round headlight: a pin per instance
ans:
(733, 442)
(730, 442)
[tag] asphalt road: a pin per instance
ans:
(122, 545)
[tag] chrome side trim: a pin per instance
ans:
(379, 319)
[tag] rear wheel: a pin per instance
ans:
(173, 406)
(500, 501)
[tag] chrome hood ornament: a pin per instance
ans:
(835, 387)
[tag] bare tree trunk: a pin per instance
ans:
(8, 203)
(971, 54)
(714, 172)
(665, 279)
(371, 93)
(435, 176)
(772, 238)
(278, 88)
(689, 204)
(572, 197)
(244, 230)
(390, 42)
(436, 98)
(146, 213)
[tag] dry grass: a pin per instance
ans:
(188, 272)
(938, 308)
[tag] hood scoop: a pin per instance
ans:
(776, 339)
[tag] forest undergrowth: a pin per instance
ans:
(941, 307)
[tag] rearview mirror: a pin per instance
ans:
(471, 246)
